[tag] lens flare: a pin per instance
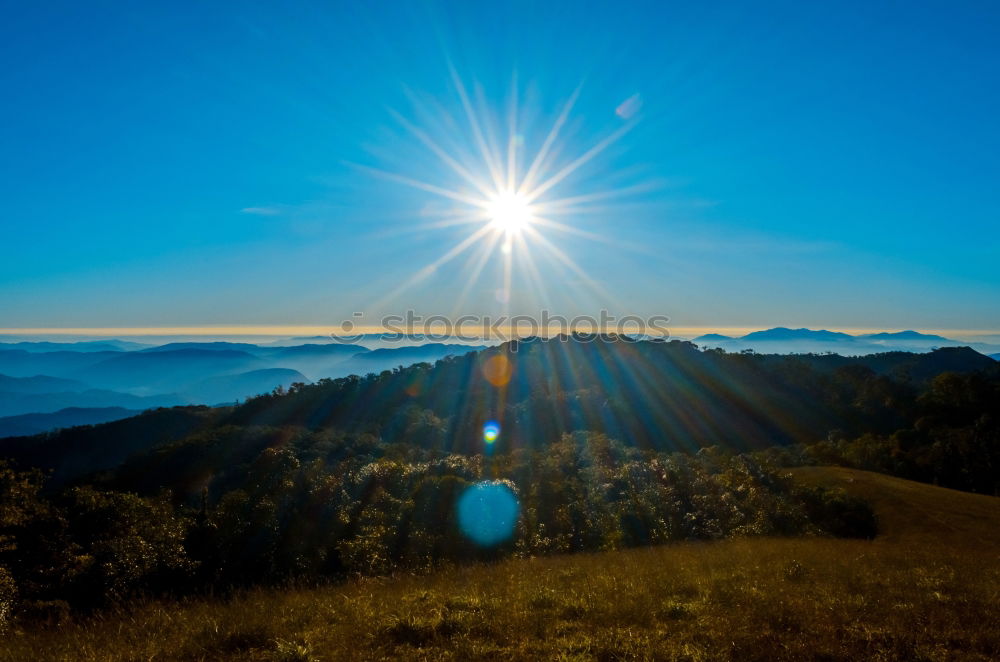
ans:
(491, 432)
(498, 370)
(487, 513)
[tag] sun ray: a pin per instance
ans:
(534, 276)
(416, 183)
(490, 129)
(480, 264)
(429, 269)
(569, 229)
(419, 228)
(569, 263)
(508, 263)
(593, 236)
(512, 138)
(477, 131)
(567, 202)
(574, 165)
(459, 169)
(550, 139)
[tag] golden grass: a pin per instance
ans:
(911, 513)
(929, 590)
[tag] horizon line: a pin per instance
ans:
(303, 330)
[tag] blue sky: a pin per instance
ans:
(793, 164)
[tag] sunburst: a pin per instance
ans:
(508, 208)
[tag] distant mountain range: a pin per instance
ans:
(371, 340)
(83, 382)
(225, 389)
(12, 404)
(81, 346)
(782, 340)
(40, 384)
(27, 424)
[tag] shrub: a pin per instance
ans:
(838, 514)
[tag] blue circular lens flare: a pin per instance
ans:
(487, 513)
(491, 432)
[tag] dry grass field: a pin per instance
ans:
(928, 588)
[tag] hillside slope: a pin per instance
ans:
(81, 450)
(31, 424)
(910, 512)
(749, 599)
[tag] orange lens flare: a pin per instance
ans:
(498, 370)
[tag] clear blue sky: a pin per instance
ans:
(181, 164)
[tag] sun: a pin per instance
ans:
(510, 200)
(509, 212)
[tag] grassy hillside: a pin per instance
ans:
(927, 589)
(915, 513)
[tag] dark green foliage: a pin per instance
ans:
(293, 512)
(125, 544)
(839, 514)
(951, 438)
(87, 546)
